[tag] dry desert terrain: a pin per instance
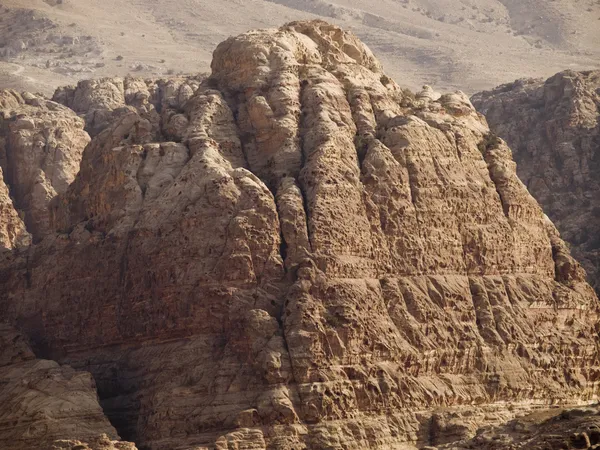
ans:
(451, 44)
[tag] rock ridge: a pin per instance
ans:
(553, 128)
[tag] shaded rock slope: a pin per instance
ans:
(553, 128)
(297, 254)
(42, 402)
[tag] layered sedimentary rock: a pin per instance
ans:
(42, 402)
(313, 259)
(553, 128)
(41, 143)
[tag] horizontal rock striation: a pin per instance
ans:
(300, 254)
(42, 402)
(554, 131)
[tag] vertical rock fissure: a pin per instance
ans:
(304, 82)
(493, 178)
(274, 182)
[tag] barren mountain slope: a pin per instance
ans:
(466, 44)
(553, 127)
(294, 253)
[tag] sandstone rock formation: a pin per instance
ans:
(12, 229)
(554, 429)
(553, 128)
(101, 102)
(41, 402)
(41, 143)
(297, 254)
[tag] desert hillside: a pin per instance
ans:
(466, 44)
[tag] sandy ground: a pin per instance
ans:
(451, 44)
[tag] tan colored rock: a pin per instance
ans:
(427, 93)
(101, 102)
(41, 143)
(553, 429)
(12, 229)
(102, 442)
(43, 402)
(553, 129)
(299, 255)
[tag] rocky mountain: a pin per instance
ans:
(553, 128)
(292, 253)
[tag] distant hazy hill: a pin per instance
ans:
(466, 44)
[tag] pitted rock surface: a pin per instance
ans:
(101, 102)
(312, 259)
(41, 143)
(553, 128)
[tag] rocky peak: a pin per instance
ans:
(297, 253)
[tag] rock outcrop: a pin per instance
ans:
(554, 429)
(102, 102)
(42, 402)
(12, 229)
(553, 128)
(301, 255)
(41, 143)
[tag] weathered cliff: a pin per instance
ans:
(553, 128)
(296, 253)
(42, 402)
(41, 143)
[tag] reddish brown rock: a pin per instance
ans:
(553, 129)
(43, 402)
(313, 259)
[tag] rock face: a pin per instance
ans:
(102, 102)
(301, 255)
(41, 143)
(553, 127)
(12, 229)
(555, 429)
(43, 402)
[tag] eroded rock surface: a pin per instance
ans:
(302, 255)
(42, 402)
(553, 128)
(12, 229)
(554, 429)
(41, 143)
(101, 102)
